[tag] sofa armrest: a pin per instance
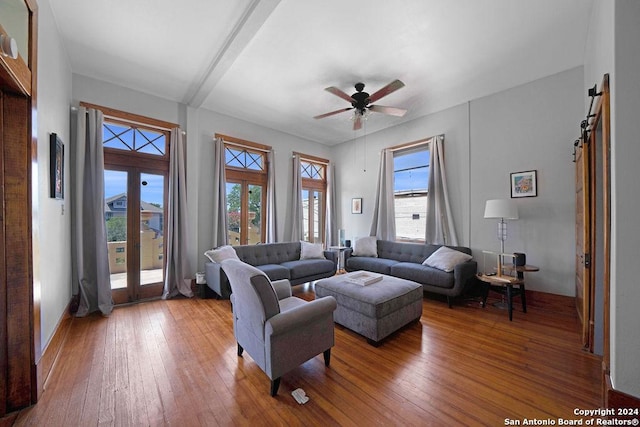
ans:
(332, 256)
(282, 288)
(464, 273)
(300, 316)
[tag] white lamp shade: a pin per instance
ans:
(501, 208)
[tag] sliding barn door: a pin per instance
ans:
(583, 233)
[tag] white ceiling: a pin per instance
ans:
(268, 61)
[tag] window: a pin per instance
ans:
(246, 187)
(411, 179)
(314, 189)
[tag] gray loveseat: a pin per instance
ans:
(404, 260)
(278, 260)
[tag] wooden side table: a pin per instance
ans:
(505, 286)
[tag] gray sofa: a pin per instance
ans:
(404, 260)
(278, 261)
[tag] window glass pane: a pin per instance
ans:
(240, 158)
(150, 142)
(411, 179)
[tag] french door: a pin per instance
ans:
(135, 201)
(245, 212)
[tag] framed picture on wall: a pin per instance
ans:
(524, 184)
(56, 173)
(356, 205)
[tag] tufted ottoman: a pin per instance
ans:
(375, 310)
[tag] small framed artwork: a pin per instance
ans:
(524, 184)
(56, 173)
(356, 205)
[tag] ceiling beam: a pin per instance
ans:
(246, 28)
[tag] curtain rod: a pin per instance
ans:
(238, 144)
(314, 159)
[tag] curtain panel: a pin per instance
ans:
(177, 279)
(383, 224)
(440, 228)
(90, 255)
(220, 226)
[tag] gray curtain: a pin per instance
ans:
(331, 217)
(384, 218)
(272, 235)
(440, 227)
(297, 230)
(177, 277)
(89, 250)
(220, 227)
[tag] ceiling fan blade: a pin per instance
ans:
(337, 92)
(342, 110)
(392, 111)
(390, 88)
(357, 123)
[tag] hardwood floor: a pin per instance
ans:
(175, 362)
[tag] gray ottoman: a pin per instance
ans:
(375, 310)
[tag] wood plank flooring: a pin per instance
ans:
(174, 363)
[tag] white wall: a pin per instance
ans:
(529, 127)
(52, 268)
(200, 155)
(357, 164)
(625, 199)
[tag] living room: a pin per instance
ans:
(530, 125)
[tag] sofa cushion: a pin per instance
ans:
(311, 250)
(422, 274)
(275, 271)
(308, 267)
(220, 254)
(446, 259)
(271, 253)
(366, 246)
(378, 265)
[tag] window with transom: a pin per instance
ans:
(246, 190)
(314, 189)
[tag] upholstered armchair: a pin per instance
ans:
(279, 331)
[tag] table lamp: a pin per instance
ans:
(501, 209)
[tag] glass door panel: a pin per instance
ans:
(115, 199)
(234, 198)
(305, 215)
(317, 216)
(151, 229)
(255, 214)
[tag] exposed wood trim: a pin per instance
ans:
(131, 118)
(15, 72)
(412, 144)
(50, 353)
(243, 142)
(312, 158)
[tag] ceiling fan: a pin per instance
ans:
(361, 102)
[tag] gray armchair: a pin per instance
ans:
(279, 331)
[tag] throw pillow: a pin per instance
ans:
(366, 246)
(220, 254)
(311, 250)
(446, 258)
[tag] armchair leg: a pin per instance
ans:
(240, 350)
(327, 357)
(449, 301)
(275, 384)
